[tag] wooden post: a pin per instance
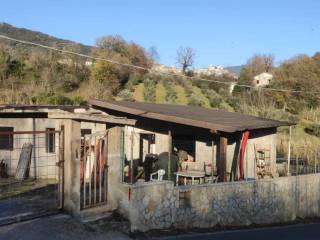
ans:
(131, 158)
(247, 167)
(289, 152)
(61, 167)
(223, 159)
(212, 164)
(84, 170)
(169, 155)
(315, 162)
(297, 165)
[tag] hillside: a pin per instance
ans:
(157, 89)
(235, 69)
(41, 38)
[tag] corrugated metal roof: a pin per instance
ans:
(189, 115)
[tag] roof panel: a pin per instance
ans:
(189, 115)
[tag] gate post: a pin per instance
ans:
(72, 154)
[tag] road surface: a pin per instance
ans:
(290, 232)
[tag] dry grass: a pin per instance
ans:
(160, 93)
(302, 144)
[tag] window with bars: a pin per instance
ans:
(50, 140)
(6, 139)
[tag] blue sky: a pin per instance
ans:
(224, 32)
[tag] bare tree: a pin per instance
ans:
(261, 63)
(185, 58)
(153, 54)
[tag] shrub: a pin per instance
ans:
(149, 90)
(313, 129)
(126, 94)
(195, 101)
(171, 95)
(56, 99)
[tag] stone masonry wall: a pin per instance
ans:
(162, 205)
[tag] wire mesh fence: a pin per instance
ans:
(298, 165)
(30, 173)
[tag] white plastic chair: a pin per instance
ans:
(160, 173)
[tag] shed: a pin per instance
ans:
(209, 136)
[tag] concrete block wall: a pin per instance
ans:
(43, 164)
(161, 205)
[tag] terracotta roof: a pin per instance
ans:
(217, 120)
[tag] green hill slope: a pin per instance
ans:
(39, 37)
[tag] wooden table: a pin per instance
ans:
(190, 174)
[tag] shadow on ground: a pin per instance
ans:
(58, 227)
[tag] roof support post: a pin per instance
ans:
(169, 155)
(289, 151)
(131, 158)
(223, 159)
(213, 153)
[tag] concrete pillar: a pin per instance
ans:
(72, 166)
(114, 167)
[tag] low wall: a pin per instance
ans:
(162, 205)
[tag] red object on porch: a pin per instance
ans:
(245, 137)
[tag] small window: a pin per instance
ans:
(50, 140)
(6, 139)
(84, 132)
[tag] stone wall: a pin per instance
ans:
(162, 205)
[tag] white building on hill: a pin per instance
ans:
(262, 80)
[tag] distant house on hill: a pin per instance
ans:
(262, 79)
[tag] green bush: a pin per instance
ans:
(313, 129)
(149, 90)
(57, 99)
(126, 94)
(195, 101)
(171, 95)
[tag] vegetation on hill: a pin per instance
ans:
(41, 38)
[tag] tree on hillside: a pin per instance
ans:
(301, 73)
(114, 44)
(153, 54)
(105, 77)
(316, 57)
(117, 49)
(261, 63)
(4, 60)
(185, 58)
(257, 64)
(133, 52)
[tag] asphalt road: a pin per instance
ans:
(58, 227)
(291, 232)
(64, 227)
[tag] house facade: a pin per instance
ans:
(262, 79)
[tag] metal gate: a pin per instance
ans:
(31, 172)
(93, 172)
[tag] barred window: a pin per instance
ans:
(50, 140)
(6, 139)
